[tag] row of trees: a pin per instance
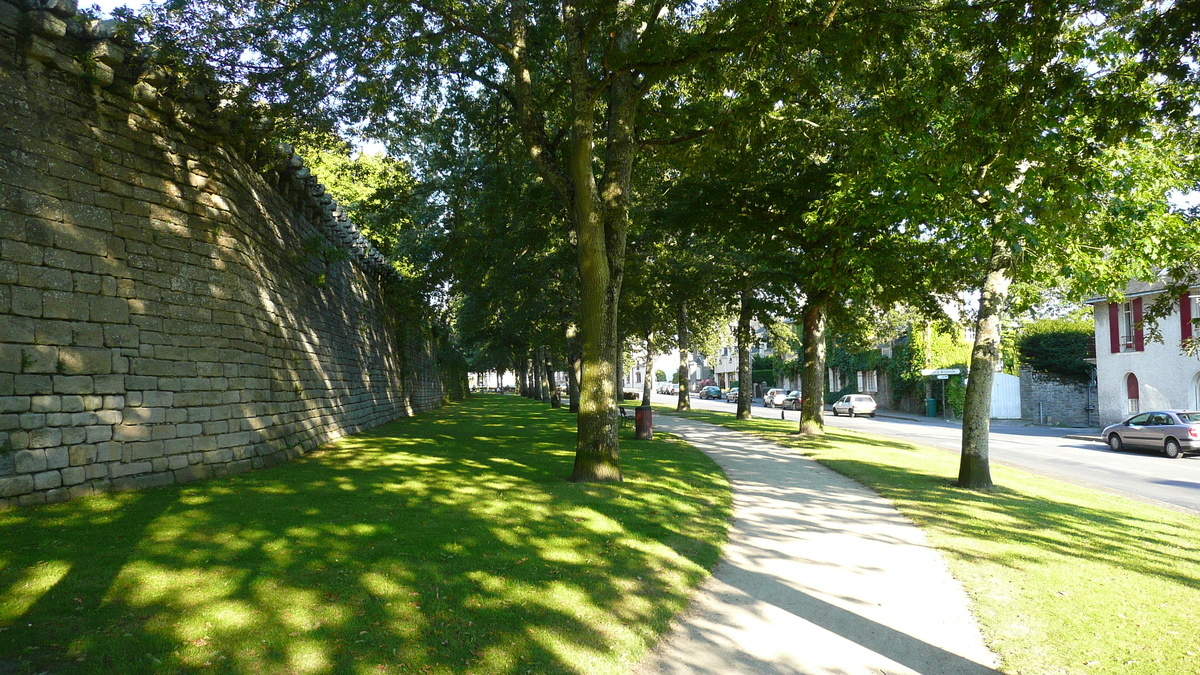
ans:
(597, 171)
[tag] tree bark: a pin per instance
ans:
(522, 379)
(812, 384)
(543, 357)
(974, 470)
(573, 380)
(646, 381)
(684, 402)
(744, 337)
(535, 372)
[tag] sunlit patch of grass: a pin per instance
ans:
(419, 547)
(1063, 579)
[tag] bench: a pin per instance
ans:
(625, 416)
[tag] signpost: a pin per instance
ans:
(942, 374)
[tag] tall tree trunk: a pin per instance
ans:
(551, 384)
(600, 214)
(543, 357)
(974, 470)
(646, 381)
(745, 335)
(684, 402)
(812, 382)
(522, 380)
(535, 371)
(573, 364)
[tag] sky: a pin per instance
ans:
(107, 6)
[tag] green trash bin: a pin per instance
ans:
(931, 407)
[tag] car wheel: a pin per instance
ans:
(872, 415)
(1171, 448)
(835, 412)
(1114, 442)
(850, 412)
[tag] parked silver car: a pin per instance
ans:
(1174, 432)
(774, 397)
(854, 404)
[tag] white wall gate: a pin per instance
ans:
(1006, 397)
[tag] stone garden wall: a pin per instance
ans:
(1052, 400)
(170, 310)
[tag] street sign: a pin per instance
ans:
(943, 377)
(941, 371)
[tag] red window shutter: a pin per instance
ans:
(1185, 316)
(1139, 335)
(1131, 386)
(1114, 328)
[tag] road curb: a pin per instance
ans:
(1081, 437)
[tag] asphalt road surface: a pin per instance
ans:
(1144, 475)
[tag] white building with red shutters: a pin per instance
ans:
(1135, 374)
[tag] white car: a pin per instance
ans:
(855, 404)
(774, 397)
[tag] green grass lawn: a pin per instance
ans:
(1063, 579)
(447, 543)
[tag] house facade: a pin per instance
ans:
(1134, 374)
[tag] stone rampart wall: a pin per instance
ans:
(167, 311)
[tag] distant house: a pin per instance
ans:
(1132, 374)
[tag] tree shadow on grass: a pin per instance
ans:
(415, 546)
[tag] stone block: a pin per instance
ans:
(46, 25)
(65, 305)
(159, 464)
(178, 446)
(95, 471)
(112, 310)
(32, 421)
(190, 429)
(118, 335)
(73, 475)
(17, 329)
(99, 433)
(131, 432)
(73, 384)
(141, 415)
(221, 456)
(60, 494)
(18, 440)
(109, 417)
(204, 443)
(45, 403)
(81, 491)
(10, 357)
(175, 462)
(57, 458)
(58, 419)
(14, 404)
(145, 450)
(15, 486)
(162, 432)
(26, 301)
(73, 435)
(29, 385)
(45, 438)
(54, 333)
(47, 480)
(108, 452)
(88, 335)
(121, 469)
(81, 454)
(30, 461)
(8, 464)
(84, 361)
(69, 404)
(32, 499)
(109, 384)
(39, 359)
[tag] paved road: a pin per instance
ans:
(1144, 475)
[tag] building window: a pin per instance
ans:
(835, 380)
(1127, 326)
(868, 381)
(1131, 393)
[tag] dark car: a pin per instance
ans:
(710, 392)
(1174, 432)
(792, 401)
